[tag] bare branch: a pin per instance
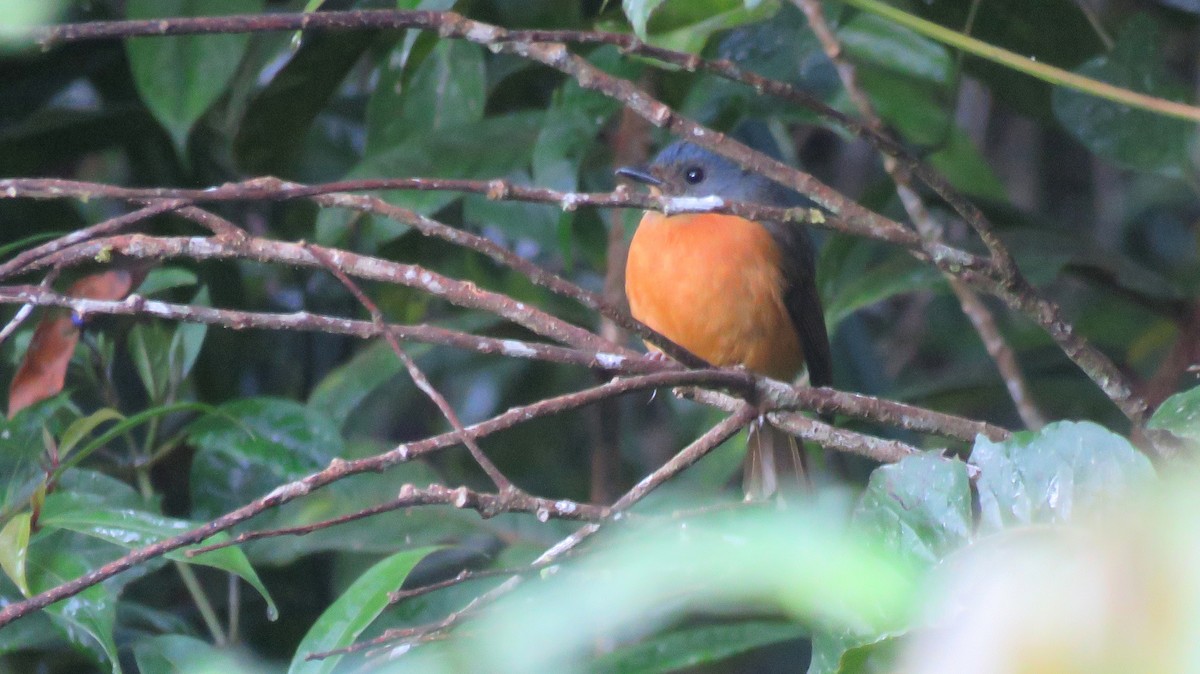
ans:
(418, 377)
(26, 258)
(487, 505)
(457, 292)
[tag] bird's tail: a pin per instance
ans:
(774, 460)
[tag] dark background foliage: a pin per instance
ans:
(1097, 203)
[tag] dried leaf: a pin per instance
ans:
(44, 367)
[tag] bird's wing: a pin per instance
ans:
(802, 300)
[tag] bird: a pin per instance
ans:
(731, 290)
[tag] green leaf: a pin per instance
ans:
(447, 90)
(14, 547)
(1136, 139)
(22, 451)
(271, 134)
(695, 21)
(187, 341)
(803, 568)
(855, 273)
(124, 426)
(345, 387)
(81, 427)
(149, 348)
(175, 653)
(692, 646)
(920, 506)
(91, 515)
(848, 653)
(167, 278)
(354, 611)
(1051, 475)
(1180, 416)
(28, 242)
(33, 632)
(869, 38)
(248, 447)
(86, 619)
(164, 354)
(877, 657)
(573, 120)
(20, 15)
(1057, 32)
(962, 164)
(179, 77)
(916, 108)
(445, 153)
(638, 12)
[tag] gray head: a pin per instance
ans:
(686, 170)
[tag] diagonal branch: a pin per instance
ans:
(487, 505)
(688, 456)
(498, 478)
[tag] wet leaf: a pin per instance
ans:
(1066, 468)
(14, 547)
(354, 611)
(1137, 139)
(446, 90)
(88, 618)
(92, 515)
(920, 506)
(1180, 416)
(249, 447)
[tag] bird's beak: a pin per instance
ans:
(640, 174)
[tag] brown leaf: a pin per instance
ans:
(113, 284)
(44, 367)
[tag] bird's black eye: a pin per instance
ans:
(694, 175)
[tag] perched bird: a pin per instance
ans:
(732, 291)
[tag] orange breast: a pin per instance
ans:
(712, 284)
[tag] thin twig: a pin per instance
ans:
(418, 377)
(234, 319)
(23, 260)
(487, 505)
(878, 449)
(26, 309)
(457, 292)
(273, 189)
